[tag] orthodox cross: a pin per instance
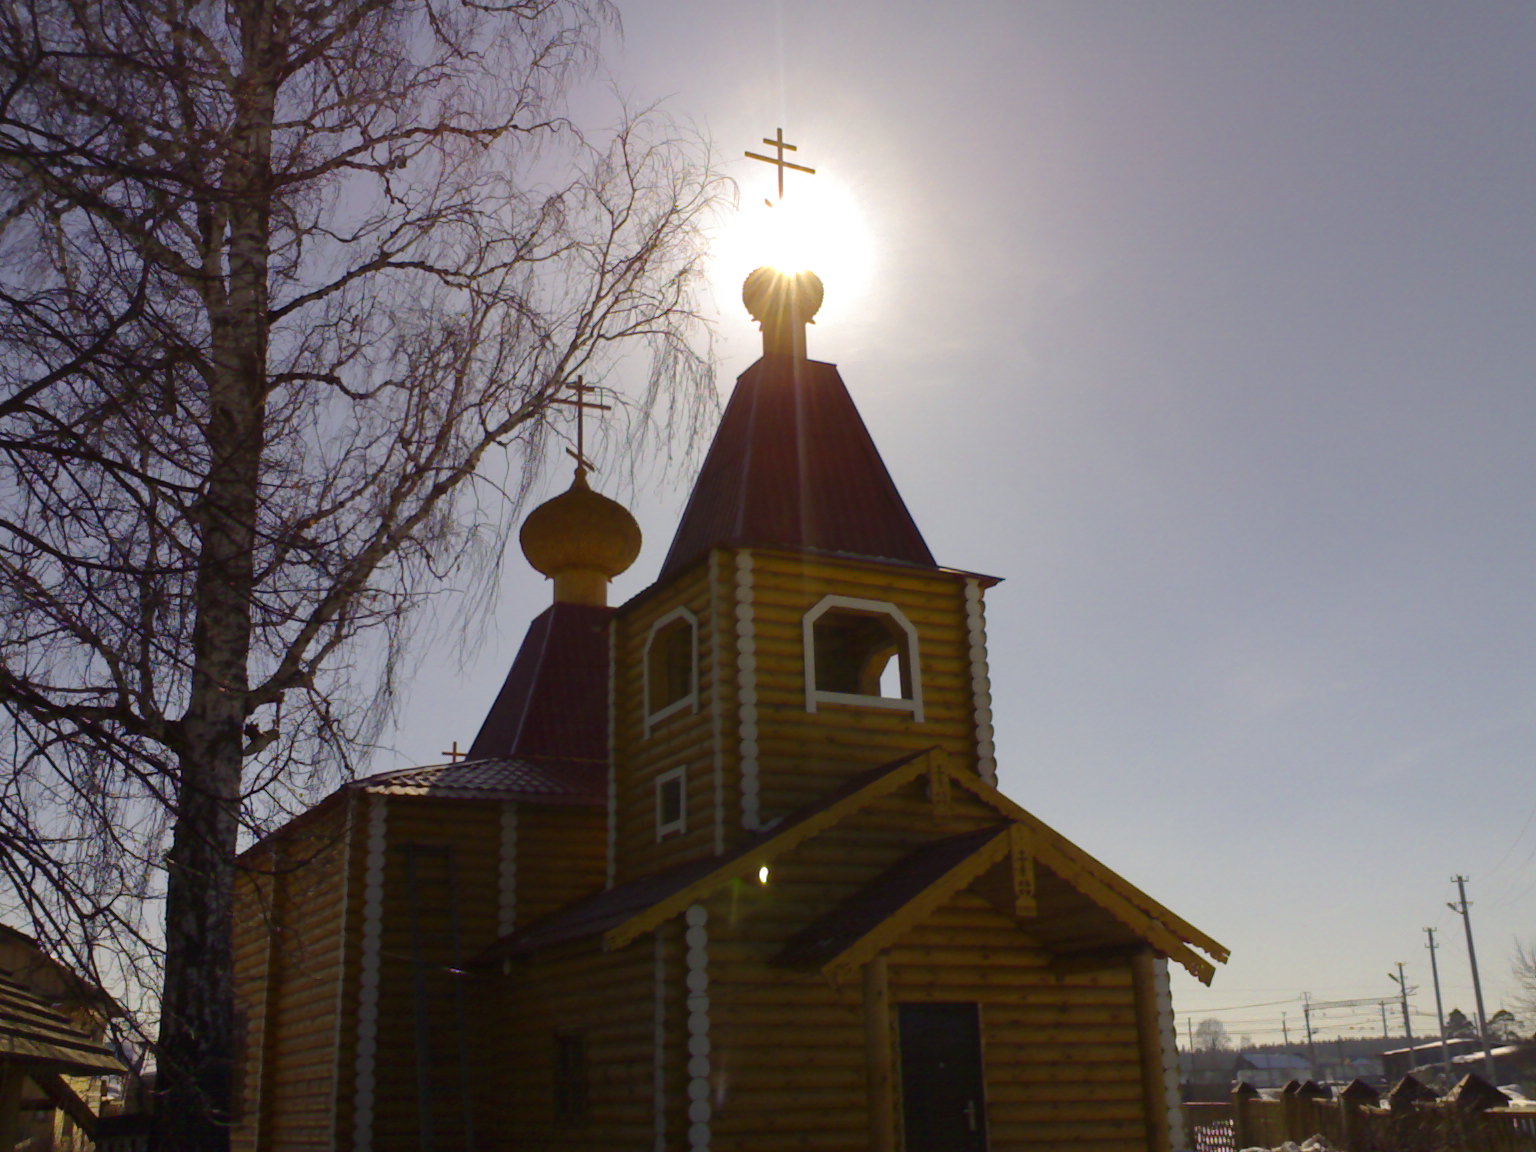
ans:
(778, 160)
(582, 404)
(454, 755)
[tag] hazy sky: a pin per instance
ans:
(1209, 327)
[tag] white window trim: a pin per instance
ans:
(680, 825)
(688, 702)
(814, 696)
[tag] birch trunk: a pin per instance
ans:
(197, 1036)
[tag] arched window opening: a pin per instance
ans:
(854, 650)
(861, 652)
(671, 666)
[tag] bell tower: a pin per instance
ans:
(800, 631)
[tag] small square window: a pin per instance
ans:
(671, 803)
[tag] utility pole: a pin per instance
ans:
(1385, 1034)
(1306, 1014)
(1434, 970)
(1285, 1031)
(1465, 910)
(1402, 986)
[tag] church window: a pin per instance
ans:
(671, 666)
(861, 652)
(570, 1077)
(671, 803)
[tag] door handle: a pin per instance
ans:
(970, 1114)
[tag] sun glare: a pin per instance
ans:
(817, 227)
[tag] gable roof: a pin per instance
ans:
(845, 937)
(554, 702)
(792, 465)
(623, 913)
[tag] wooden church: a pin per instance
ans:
(726, 867)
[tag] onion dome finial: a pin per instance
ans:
(582, 540)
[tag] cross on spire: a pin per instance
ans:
(581, 388)
(778, 161)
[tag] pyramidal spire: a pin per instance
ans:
(792, 464)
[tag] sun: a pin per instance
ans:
(817, 227)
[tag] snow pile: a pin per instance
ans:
(1310, 1144)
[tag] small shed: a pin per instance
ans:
(52, 1051)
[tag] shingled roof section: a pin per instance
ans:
(536, 782)
(792, 466)
(554, 703)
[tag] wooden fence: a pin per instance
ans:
(1470, 1118)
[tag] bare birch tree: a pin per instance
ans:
(280, 280)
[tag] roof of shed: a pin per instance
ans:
(34, 1034)
(792, 465)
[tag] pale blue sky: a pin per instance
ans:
(1212, 328)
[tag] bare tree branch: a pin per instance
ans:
(279, 285)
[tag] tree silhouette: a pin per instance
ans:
(287, 291)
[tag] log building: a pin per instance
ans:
(726, 867)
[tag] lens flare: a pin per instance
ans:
(817, 227)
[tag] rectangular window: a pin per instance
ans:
(570, 1077)
(671, 803)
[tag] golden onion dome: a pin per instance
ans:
(582, 540)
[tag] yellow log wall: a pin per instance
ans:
(288, 957)
(1061, 1053)
(803, 755)
(607, 997)
(686, 739)
(473, 829)
(562, 856)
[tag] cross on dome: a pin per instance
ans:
(778, 161)
(581, 388)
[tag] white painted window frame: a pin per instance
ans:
(688, 702)
(815, 697)
(680, 825)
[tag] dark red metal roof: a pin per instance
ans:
(554, 703)
(793, 466)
